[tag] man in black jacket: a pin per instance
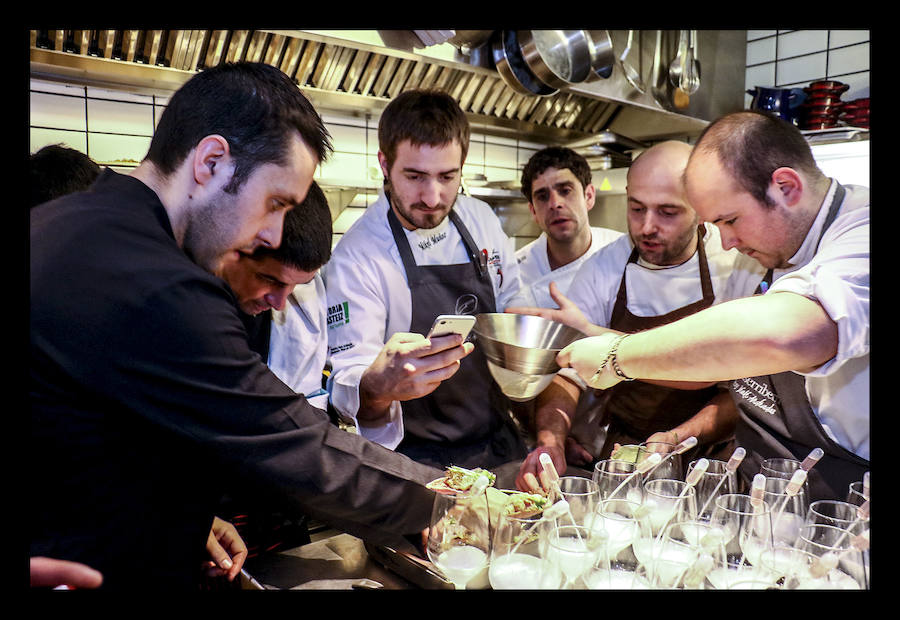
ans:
(145, 397)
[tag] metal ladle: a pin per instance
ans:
(631, 74)
(676, 68)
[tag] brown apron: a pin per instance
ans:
(776, 420)
(636, 409)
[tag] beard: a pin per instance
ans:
(671, 252)
(415, 215)
(211, 231)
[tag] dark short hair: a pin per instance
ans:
(559, 157)
(254, 106)
(56, 170)
(429, 117)
(752, 144)
(306, 234)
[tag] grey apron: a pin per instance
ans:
(777, 421)
(637, 409)
(465, 421)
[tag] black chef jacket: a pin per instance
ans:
(146, 400)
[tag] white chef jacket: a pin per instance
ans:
(369, 298)
(534, 268)
(298, 344)
(837, 276)
(652, 290)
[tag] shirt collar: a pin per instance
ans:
(810, 243)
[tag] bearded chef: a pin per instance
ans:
(421, 250)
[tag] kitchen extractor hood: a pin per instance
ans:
(360, 71)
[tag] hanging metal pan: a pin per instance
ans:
(557, 57)
(603, 57)
(508, 59)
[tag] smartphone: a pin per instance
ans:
(445, 324)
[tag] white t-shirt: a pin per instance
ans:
(298, 345)
(369, 298)
(652, 290)
(534, 268)
(837, 276)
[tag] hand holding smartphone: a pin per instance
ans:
(452, 324)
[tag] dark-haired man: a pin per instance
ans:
(558, 184)
(145, 397)
(419, 251)
(793, 338)
(282, 297)
(56, 170)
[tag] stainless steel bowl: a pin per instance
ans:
(521, 350)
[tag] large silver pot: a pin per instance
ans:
(507, 56)
(562, 57)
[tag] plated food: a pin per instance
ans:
(459, 480)
(523, 505)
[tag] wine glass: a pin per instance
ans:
(857, 493)
(573, 550)
(617, 575)
(618, 518)
(618, 477)
(851, 569)
(779, 468)
(716, 481)
(788, 512)
(745, 531)
(459, 536)
(670, 467)
(517, 561)
(582, 494)
(832, 512)
(668, 500)
(684, 556)
(787, 566)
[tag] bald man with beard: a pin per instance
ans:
(667, 267)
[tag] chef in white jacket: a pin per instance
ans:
(557, 182)
(793, 344)
(282, 299)
(669, 266)
(421, 250)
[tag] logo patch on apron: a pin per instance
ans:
(757, 394)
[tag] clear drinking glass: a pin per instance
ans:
(582, 494)
(671, 466)
(852, 567)
(614, 476)
(779, 468)
(618, 518)
(716, 481)
(574, 550)
(745, 531)
(788, 512)
(832, 512)
(667, 500)
(517, 561)
(459, 537)
(856, 494)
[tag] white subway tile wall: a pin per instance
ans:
(794, 58)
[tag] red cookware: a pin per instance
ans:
(826, 86)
